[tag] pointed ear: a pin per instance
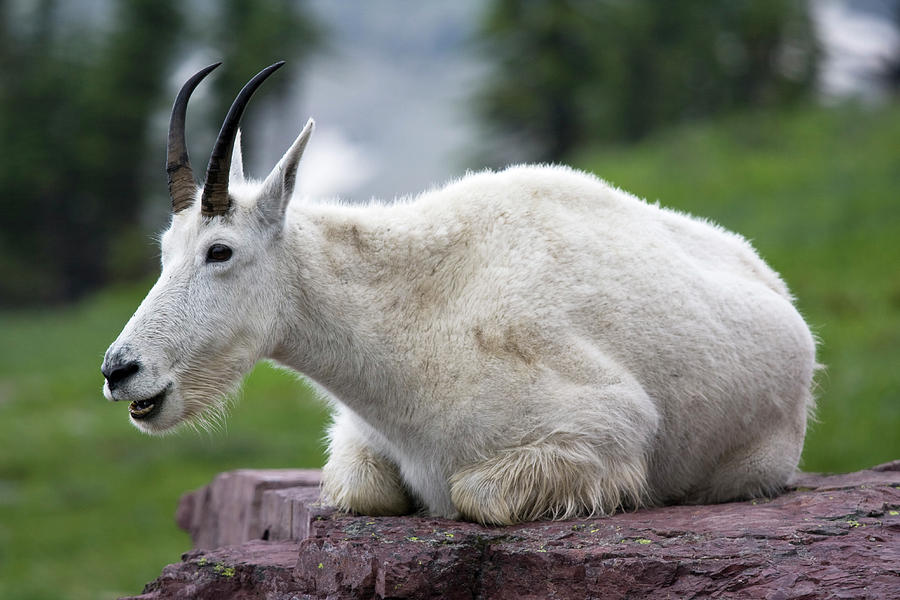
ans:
(279, 185)
(236, 174)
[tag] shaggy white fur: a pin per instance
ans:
(525, 344)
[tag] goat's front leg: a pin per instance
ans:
(357, 478)
(559, 476)
(592, 463)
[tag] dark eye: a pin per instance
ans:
(218, 253)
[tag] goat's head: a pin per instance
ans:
(211, 315)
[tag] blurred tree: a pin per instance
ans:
(890, 71)
(76, 103)
(124, 86)
(74, 119)
(250, 35)
(569, 72)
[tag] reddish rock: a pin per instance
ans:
(254, 569)
(228, 510)
(832, 536)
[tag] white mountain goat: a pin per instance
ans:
(519, 345)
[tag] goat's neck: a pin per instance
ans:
(338, 275)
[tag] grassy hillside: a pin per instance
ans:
(818, 193)
(87, 502)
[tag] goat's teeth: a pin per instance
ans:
(140, 408)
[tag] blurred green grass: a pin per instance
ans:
(87, 502)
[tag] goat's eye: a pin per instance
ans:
(218, 253)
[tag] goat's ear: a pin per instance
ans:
(236, 174)
(279, 185)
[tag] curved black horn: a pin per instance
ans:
(182, 186)
(215, 200)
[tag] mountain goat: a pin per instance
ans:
(518, 345)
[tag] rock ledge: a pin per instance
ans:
(263, 534)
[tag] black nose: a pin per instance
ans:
(117, 371)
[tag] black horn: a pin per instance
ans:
(182, 186)
(215, 200)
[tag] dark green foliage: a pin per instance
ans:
(74, 117)
(570, 72)
(76, 106)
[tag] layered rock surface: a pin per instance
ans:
(263, 534)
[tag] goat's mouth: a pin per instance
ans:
(144, 409)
